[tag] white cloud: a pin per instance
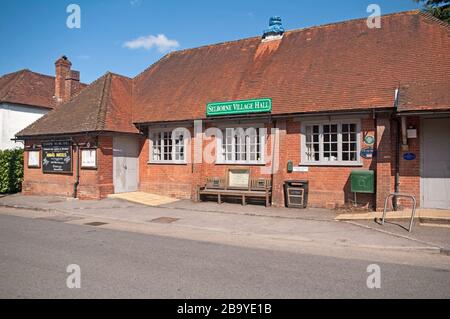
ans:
(161, 42)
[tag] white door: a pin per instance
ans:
(125, 164)
(436, 163)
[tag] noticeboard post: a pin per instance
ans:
(57, 157)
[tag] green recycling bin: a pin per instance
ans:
(363, 181)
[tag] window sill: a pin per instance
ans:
(241, 164)
(333, 164)
(166, 163)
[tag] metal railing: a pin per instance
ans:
(401, 195)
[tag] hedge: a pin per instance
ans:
(11, 171)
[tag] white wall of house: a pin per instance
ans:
(14, 118)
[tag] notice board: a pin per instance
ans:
(57, 157)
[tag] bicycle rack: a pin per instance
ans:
(401, 195)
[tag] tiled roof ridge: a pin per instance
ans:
(119, 75)
(40, 74)
(106, 90)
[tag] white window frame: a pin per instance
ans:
(262, 142)
(304, 157)
(151, 136)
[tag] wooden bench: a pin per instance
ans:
(237, 184)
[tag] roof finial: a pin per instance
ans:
(275, 30)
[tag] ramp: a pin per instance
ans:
(144, 198)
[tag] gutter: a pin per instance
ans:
(418, 113)
(254, 116)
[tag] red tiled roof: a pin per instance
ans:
(334, 67)
(342, 66)
(424, 97)
(105, 105)
(29, 88)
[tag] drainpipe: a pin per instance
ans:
(400, 139)
(77, 180)
(397, 165)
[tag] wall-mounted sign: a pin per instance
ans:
(89, 158)
(368, 152)
(369, 139)
(409, 156)
(238, 178)
(301, 169)
(57, 157)
(34, 159)
(239, 107)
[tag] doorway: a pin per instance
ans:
(125, 164)
(436, 163)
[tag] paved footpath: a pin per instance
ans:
(202, 225)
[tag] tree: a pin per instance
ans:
(439, 8)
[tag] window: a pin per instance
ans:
(242, 146)
(168, 146)
(331, 143)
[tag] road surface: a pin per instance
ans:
(35, 253)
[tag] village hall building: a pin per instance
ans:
(314, 105)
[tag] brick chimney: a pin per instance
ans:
(67, 81)
(72, 85)
(62, 70)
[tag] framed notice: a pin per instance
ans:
(57, 157)
(238, 178)
(34, 159)
(89, 158)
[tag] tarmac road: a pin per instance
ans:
(35, 253)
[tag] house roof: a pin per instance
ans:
(105, 105)
(337, 67)
(28, 88)
(334, 67)
(425, 96)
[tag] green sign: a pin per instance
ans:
(239, 107)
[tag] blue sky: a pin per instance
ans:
(126, 36)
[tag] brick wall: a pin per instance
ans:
(94, 183)
(329, 185)
(410, 170)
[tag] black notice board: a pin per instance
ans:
(57, 157)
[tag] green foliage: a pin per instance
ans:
(439, 8)
(11, 171)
